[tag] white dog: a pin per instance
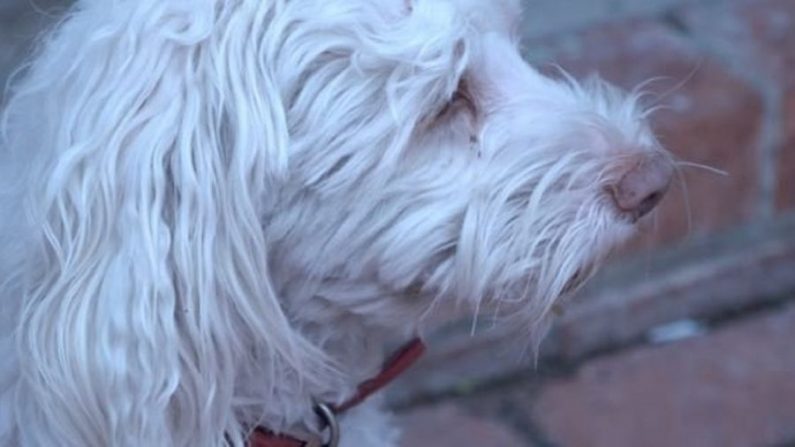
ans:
(216, 212)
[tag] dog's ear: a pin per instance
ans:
(163, 139)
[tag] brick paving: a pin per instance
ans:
(727, 84)
(447, 425)
(734, 386)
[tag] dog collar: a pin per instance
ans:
(400, 361)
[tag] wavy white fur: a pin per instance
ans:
(215, 212)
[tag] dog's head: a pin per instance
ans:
(430, 163)
(218, 179)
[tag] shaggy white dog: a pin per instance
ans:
(216, 212)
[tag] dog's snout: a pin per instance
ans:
(643, 186)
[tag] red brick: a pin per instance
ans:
(447, 426)
(734, 387)
(759, 35)
(713, 118)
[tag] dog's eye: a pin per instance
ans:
(462, 101)
(463, 97)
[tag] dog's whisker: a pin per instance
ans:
(642, 90)
(475, 315)
(651, 111)
(710, 169)
(681, 84)
(686, 198)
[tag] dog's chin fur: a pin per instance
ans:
(215, 212)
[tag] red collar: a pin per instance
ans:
(394, 367)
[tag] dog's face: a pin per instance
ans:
(432, 164)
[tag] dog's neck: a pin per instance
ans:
(356, 344)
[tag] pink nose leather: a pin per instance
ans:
(643, 186)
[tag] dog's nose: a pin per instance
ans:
(643, 186)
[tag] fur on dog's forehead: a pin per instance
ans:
(501, 16)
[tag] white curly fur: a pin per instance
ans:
(216, 212)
